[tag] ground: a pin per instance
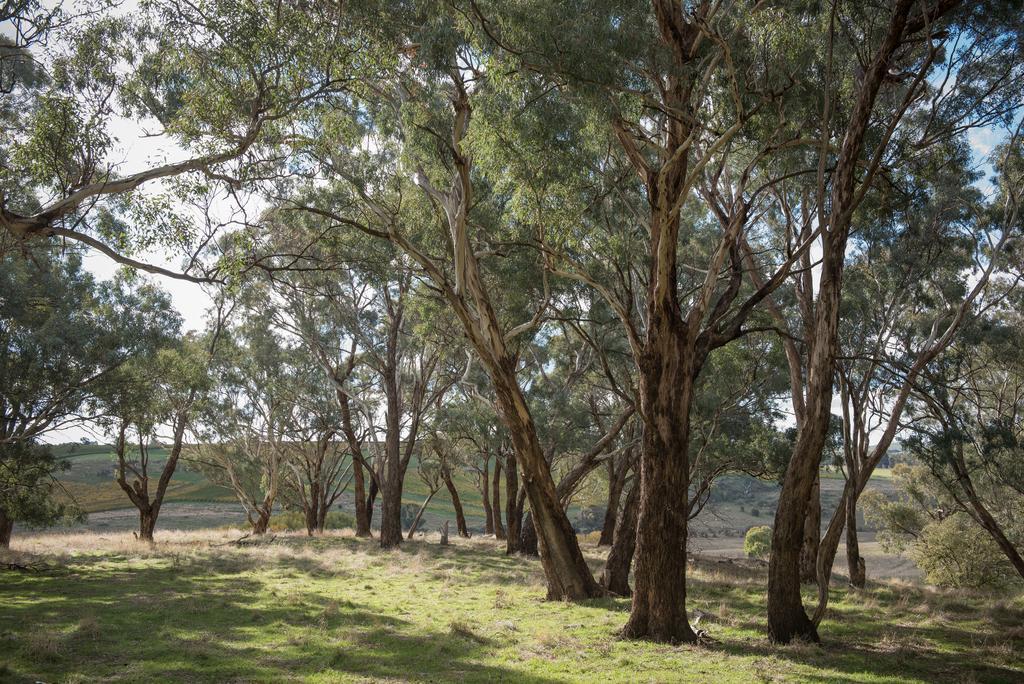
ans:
(195, 607)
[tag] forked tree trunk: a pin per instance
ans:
(812, 535)
(787, 619)
(615, 577)
(499, 528)
(485, 497)
(460, 516)
(6, 527)
(261, 522)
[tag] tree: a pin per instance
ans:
(151, 394)
(214, 82)
(245, 420)
(29, 490)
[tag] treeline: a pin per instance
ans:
(538, 239)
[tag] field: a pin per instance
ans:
(335, 609)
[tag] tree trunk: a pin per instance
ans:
(499, 528)
(147, 524)
(362, 516)
(513, 516)
(666, 390)
(611, 514)
(485, 496)
(419, 514)
(460, 516)
(6, 527)
(391, 517)
(528, 537)
(615, 577)
(565, 568)
(371, 502)
(812, 535)
(858, 574)
(261, 523)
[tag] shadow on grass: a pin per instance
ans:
(204, 619)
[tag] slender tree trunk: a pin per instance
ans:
(499, 528)
(6, 527)
(611, 514)
(615, 577)
(371, 502)
(858, 575)
(513, 516)
(566, 570)
(812, 535)
(485, 496)
(362, 516)
(460, 516)
(419, 514)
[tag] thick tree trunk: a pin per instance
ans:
(362, 516)
(812, 535)
(460, 516)
(391, 517)
(659, 595)
(499, 528)
(261, 523)
(615, 577)
(6, 527)
(485, 496)
(147, 524)
(514, 517)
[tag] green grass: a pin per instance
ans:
(339, 609)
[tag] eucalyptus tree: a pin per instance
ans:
(414, 185)
(215, 82)
(682, 119)
(317, 460)
(247, 413)
(357, 306)
(63, 335)
(151, 406)
(968, 430)
(30, 492)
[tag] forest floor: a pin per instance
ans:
(195, 607)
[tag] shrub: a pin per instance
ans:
(755, 512)
(758, 542)
(953, 552)
(288, 521)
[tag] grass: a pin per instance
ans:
(337, 609)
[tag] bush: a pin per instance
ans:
(755, 513)
(758, 542)
(289, 521)
(955, 553)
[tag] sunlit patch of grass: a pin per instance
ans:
(334, 608)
